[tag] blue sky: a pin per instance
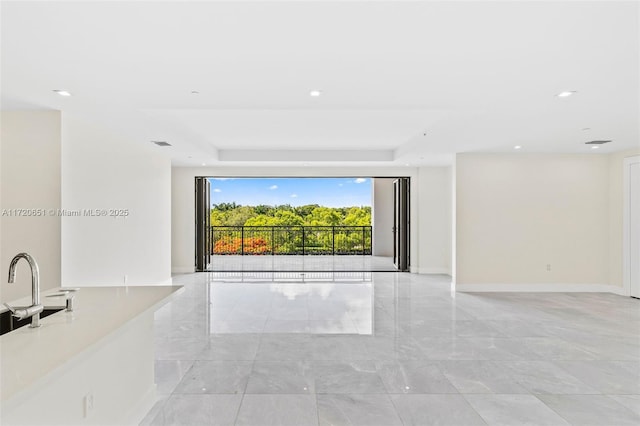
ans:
(330, 192)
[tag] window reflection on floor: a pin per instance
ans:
(292, 307)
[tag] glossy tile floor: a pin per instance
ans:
(400, 349)
(252, 263)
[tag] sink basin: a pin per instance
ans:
(9, 323)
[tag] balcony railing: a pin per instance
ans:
(290, 240)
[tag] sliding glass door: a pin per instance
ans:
(203, 218)
(401, 224)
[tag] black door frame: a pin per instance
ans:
(401, 223)
(203, 222)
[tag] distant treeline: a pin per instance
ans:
(232, 214)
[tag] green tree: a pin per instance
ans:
(225, 207)
(304, 211)
(281, 218)
(218, 218)
(286, 207)
(231, 214)
(287, 218)
(357, 216)
(239, 215)
(263, 209)
(323, 216)
(260, 220)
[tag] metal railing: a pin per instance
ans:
(289, 240)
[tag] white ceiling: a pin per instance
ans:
(403, 82)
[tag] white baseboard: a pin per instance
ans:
(183, 269)
(433, 270)
(540, 288)
(168, 281)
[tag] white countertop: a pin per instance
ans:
(28, 354)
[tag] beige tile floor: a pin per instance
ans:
(398, 349)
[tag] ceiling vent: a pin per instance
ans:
(161, 143)
(596, 142)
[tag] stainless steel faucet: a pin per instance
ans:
(34, 310)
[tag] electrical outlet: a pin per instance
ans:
(548, 267)
(88, 404)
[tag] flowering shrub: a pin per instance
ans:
(234, 246)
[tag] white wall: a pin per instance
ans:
(516, 213)
(30, 171)
(182, 207)
(102, 170)
(435, 218)
(183, 227)
(382, 216)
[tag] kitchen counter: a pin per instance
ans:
(31, 354)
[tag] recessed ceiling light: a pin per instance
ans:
(595, 147)
(62, 92)
(315, 93)
(517, 147)
(566, 94)
(204, 164)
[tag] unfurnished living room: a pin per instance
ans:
(304, 212)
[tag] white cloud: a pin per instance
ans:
(217, 190)
(341, 184)
(294, 195)
(272, 187)
(360, 180)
